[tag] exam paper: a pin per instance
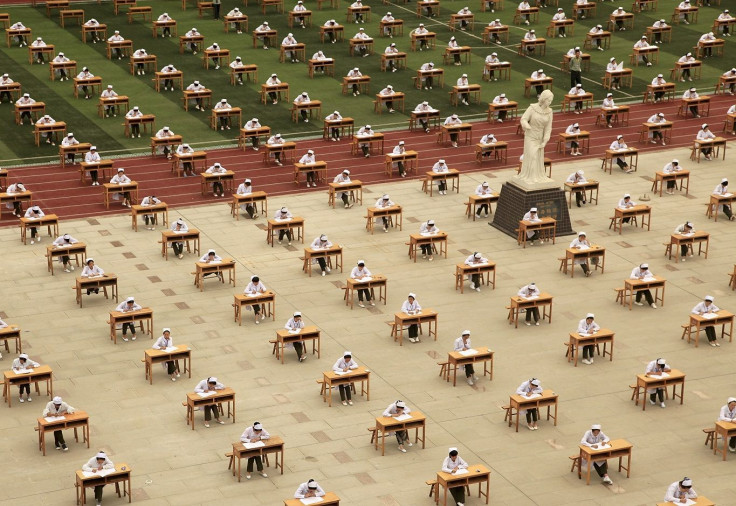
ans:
(252, 294)
(311, 500)
(466, 353)
(583, 247)
(602, 447)
(368, 278)
(710, 315)
(533, 396)
(460, 472)
(294, 331)
(22, 371)
(250, 446)
(340, 373)
(659, 376)
(403, 417)
(170, 349)
(54, 418)
(206, 394)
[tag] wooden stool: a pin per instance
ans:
(509, 414)
(633, 391)
(563, 264)
(575, 464)
(619, 295)
(444, 369)
(432, 486)
(709, 436)
(230, 456)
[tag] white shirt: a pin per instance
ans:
(123, 307)
(572, 129)
(560, 16)
(448, 465)
(358, 273)
(452, 121)
(303, 489)
(530, 36)
(528, 291)
(320, 244)
(58, 59)
(94, 271)
(387, 91)
(528, 388)
(301, 99)
(162, 343)
(674, 493)
(216, 169)
(690, 94)
(91, 466)
(659, 81)
(440, 167)
(538, 75)
(701, 308)
(575, 178)
(203, 386)
(589, 439)
(460, 345)
(585, 328)
(706, 37)
(656, 118)
(206, 258)
(222, 105)
(384, 203)
(133, 114)
(244, 189)
(641, 44)
(726, 415)
(120, 178)
(410, 306)
(705, 134)
(69, 141)
(534, 219)
(60, 241)
(618, 145)
(38, 43)
(165, 17)
(294, 324)
(183, 227)
(341, 364)
(307, 158)
(164, 133)
(638, 273)
(391, 410)
(483, 190)
(29, 364)
(488, 139)
(31, 214)
(659, 24)
(52, 410)
(250, 433)
(255, 287)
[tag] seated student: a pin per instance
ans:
(211, 410)
(428, 80)
(608, 108)
(453, 120)
(178, 247)
(237, 64)
(484, 189)
(344, 177)
(387, 92)
(6, 80)
(272, 141)
(528, 292)
(539, 74)
(685, 228)
(428, 227)
(681, 491)
(728, 414)
(424, 107)
(85, 74)
(365, 147)
(643, 272)
(334, 131)
(289, 40)
(391, 49)
(577, 90)
(581, 242)
(383, 203)
(658, 34)
(595, 439)
(532, 217)
(20, 38)
(284, 214)
(303, 99)
(707, 307)
(462, 343)
(64, 241)
(704, 134)
(598, 41)
(732, 85)
(69, 141)
(475, 259)
(95, 35)
(618, 13)
(464, 22)
(619, 145)
(501, 99)
(395, 410)
(487, 140)
(643, 44)
(310, 488)
(24, 100)
(321, 243)
(135, 128)
(692, 93)
(360, 272)
(223, 105)
(656, 368)
(574, 129)
(246, 188)
(588, 326)
(560, 16)
(98, 463)
(215, 59)
(577, 178)
(659, 81)
(439, 168)
(109, 93)
(187, 165)
(703, 43)
(116, 50)
(657, 134)
(217, 189)
(192, 45)
(150, 219)
(23, 363)
(422, 30)
(39, 55)
(626, 203)
(345, 364)
(57, 407)
(319, 56)
(528, 389)
(722, 189)
(254, 434)
(122, 178)
(199, 101)
(211, 257)
(452, 463)
(523, 6)
(358, 14)
(91, 270)
(309, 158)
(252, 125)
(170, 69)
(167, 29)
(35, 213)
(294, 325)
(237, 24)
(387, 30)
(255, 287)
(411, 306)
(47, 120)
(162, 134)
(452, 44)
(127, 306)
(140, 66)
(162, 343)
(263, 27)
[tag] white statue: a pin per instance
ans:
(537, 125)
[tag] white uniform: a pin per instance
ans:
(250, 434)
(52, 410)
(18, 366)
(587, 328)
(93, 272)
(674, 494)
(203, 386)
(448, 465)
(91, 466)
(303, 489)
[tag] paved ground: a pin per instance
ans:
(144, 425)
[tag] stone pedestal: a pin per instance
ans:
(514, 202)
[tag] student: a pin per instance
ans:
(692, 93)
(23, 363)
(643, 272)
(187, 165)
(728, 414)
(139, 66)
(484, 189)
(47, 120)
(92, 156)
(704, 308)
(439, 168)
(588, 326)
(310, 488)
(95, 34)
(475, 259)
(163, 343)
(210, 410)
(595, 439)
(109, 93)
(99, 462)
(681, 491)
(500, 99)
(388, 91)
(85, 74)
(355, 72)
(659, 81)
(658, 34)
(331, 23)
(424, 107)
(656, 368)
(64, 241)
(150, 219)
(20, 38)
(452, 44)
(91, 270)
(294, 325)
(722, 189)
(178, 247)
(527, 389)
(626, 203)
(685, 228)
(135, 128)
(345, 364)
(365, 131)
(121, 178)
(289, 40)
(528, 292)
(254, 434)
(26, 100)
(391, 65)
(223, 105)
(657, 134)
(464, 22)
(116, 50)
(574, 129)
(580, 243)
(532, 217)
(383, 203)
(360, 272)
(612, 66)
(34, 213)
(255, 139)
(217, 189)
(422, 30)
(309, 159)
(246, 188)
(429, 228)
(452, 463)
(322, 243)
(608, 108)
(395, 410)
(211, 257)
(127, 306)
(57, 407)
(358, 14)
(170, 69)
(238, 23)
(560, 16)
(255, 287)
(723, 17)
(598, 41)
(303, 99)
(703, 43)
(273, 141)
(462, 343)
(530, 35)
(69, 141)
(539, 74)
(523, 6)
(284, 214)
(453, 120)
(193, 45)
(618, 14)
(199, 101)
(344, 177)
(215, 59)
(387, 30)
(704, 134)
(643, 44)
(577, 91)
(620, 145)
(411, 306)
(485, 141)
(578, 177)
(260, 29)
(162, 134)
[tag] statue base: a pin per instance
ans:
(515, 201)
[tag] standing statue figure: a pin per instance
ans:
(537, 125)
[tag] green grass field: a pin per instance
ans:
(16, 143)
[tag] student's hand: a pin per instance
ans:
(345, 369)
(255, 440)
(309, 494)
(453, 471)
(594, 446)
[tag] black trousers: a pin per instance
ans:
(694, 110)
(135, 129)
(469, 370)
(98, 493)
(647, 295)
(659, 393)
(426, 249)
(59, 438)
(580, 198)
(257, 308)
(299, 348)
(588, 351)
(26, 388)
(171, 367)
(576, 77)
(532, 415)
(533, 311)
(211, 410)
(257, 461)
(33, 232)
(130, 326)
(458, 493)
(216, 11)
(711, 333)
(413, 330)
(658, 95)
(178, 247)
(684, 251)
(217, 188)
(283, 233)
(482, 208)
(150, 218)
(364, 292)
(322, 263)
(601, 468)
(402, 437)
(345, 392)
(621, 163)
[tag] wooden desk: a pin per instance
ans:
(501, 31)
(266, 299)
(591, 186)
(34, 52)
(75, 149)
(398, 60)
(72, 250)
(249, 133)
(169, 141)
(554, 26)
(332, 379)
(631, 212)
(162, 25)
(584, 10)
(475, 201)
(699, 322)
(144, 11)
(519, 403)
(473, 474)
(276, 225)
(275, 88)
(716, 201)
(205, 268)
(434, 73)
(595, 251)
(181, 352)
(160, 77)
(253, 199)
(124, 46)
(584, 65)
(511, 108)
(402, 320)
(63, 422)
(56, 128)
(161, 207)
(95, 283)
(546, 226)
(410, 159)
(582, 138)
(695, 67)
(313, 106)
(532, 13)
(724, 431)
(171, 236)
(272, 445)
(121, 474)
(308, 333)
(616, 448)
(13, 88)
(456, 19)
(111, 188)
(363, 82)
(648, 129)
(683, 176)
(431, 177)
(529, 83)
(578, 341)
(702, 104)
(337, 30)
(330, 498)
(473, 91)
(327, 67)
(36, 109)
(135, 317)
(387, 424)
(651, 52)
(625, 75)
(375, 281)
(179, 160)
(97, 31)
(14, 32)
(569, 102)
(518, 303)
(196, 400)
(55, 4)
(431, 117)
(298, 49)
(269, 36)
(375, 213)
(631, 153)
(604, 37)
(93, 82)
(664, 31)
(5, 19)
(364, 11)
(149, 63)
(504, 74)
(221, 57)
(456, 359)
(459, 129)
(238, 22)
(35, 375)
(311, 254)
(119, 3)
(631, 286)
(115, 103)
(397, 27)
(425, 238)
(627, 18)
(354, 188)
(50, 221)
(715, 144)
(465, 53)
(434, 5)
(345, 125)
(103, 166)
(374, 140)
(724, 83)
(644, 383)
(204, 95)
(229, 113)
(320, 167)
(430, 38)
(13, 332)
(286, 149)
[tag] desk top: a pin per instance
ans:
(360, 371)
(225, 392)
(673, 374)
(386, 421)
(151, 353)
(35, 371)
(77, 416)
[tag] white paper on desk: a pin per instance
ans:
(54, 418)
(427, 234)
(504, 62)
(690, 234)
(467, 353)
(583, 247)
(294, 331)
(311, 500)
(533, 396)
(659, 376)
(727, 195)
(583, 334)
(620, 66)
(345, 182)
(340, 373)
(403, 417)
(282, 219)
(102, 472)
(206, 394)
(250, 446)
(533, 297)
(254, 294)
(461, 471)
(602, 447)
(170, 349)
(22, 371)
(710, 315)
(180, 231)
(215, 262)
(367, 278)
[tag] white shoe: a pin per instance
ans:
(470, 381)
(28, 398)
(21, 399)
(662, 405)
(608, 480)
(361, 304)
(585, 361)
(639, 303)
(472, 286)
(654, 306)
(411, 339)
(652, 402)
(264, 475)
(528, 324)
(477, 289)
(324, 273)
(536, 323)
